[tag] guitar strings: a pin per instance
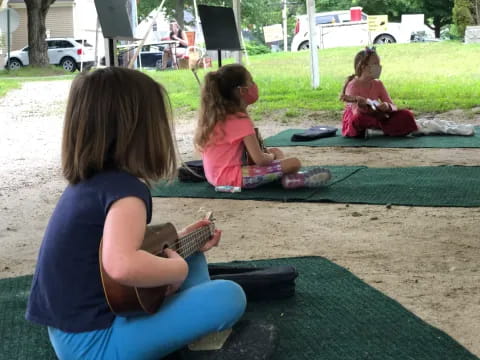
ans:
(190, 242)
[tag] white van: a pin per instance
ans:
(335, 29)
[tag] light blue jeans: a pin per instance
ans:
(200, 307)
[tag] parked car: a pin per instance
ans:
(150, 57)
(335, 29)
(71, 54)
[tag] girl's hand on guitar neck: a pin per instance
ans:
(210, 243)
(213, 241)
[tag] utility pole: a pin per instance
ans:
(284, 18)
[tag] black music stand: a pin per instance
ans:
(219, 29)
(116, 21)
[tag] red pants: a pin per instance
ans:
(400, 123)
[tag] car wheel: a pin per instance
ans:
(14, 64)
(68, 64)
(384, 39)
(304, 46)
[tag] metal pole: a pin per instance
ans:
(284, 17)
(8, 38)
(81, 55)
(197, 22)
(96, 43)
(238, 21)
(115, 52)
(313, 41)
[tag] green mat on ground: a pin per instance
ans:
(333, 316)
(431, 141)
(414, 186)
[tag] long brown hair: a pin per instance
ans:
(359, 64)
(118, 118)
(220, 97)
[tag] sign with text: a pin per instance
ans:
(273, 33)
(377, 22)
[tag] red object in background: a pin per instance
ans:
(297, 26)
(79, 51)
(356, 13)
(207, 62)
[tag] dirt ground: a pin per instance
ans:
(425, 258)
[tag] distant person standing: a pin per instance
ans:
(177, 34)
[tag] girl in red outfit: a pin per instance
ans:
(225, 131)
(358, 92)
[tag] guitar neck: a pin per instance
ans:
(192, 242)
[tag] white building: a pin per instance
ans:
(65, 18)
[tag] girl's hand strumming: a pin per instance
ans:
(383, 107)
(361, 101)
(173, 288)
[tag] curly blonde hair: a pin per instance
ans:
(220, 97)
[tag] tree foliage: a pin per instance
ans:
(462, 15)
(259, 13)
(440, 13)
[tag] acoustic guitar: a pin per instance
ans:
(127, 300)
(247, 157)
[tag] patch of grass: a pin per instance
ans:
(425, 77)
(14, 78)
(7, 84)
(292, 113)
(36, 72)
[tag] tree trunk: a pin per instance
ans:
(477, 11)
(437, 22)
(180, 6)
(37, 46)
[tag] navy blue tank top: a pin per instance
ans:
(67, 291)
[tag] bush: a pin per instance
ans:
(255, 48)
(450, 33)
(462, 16)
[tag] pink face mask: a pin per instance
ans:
(251, 95)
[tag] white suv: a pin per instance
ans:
(69, 53)
(335, 29)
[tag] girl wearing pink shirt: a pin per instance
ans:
(225, 131)
(368, 105)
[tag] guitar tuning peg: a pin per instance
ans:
(209, 216)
